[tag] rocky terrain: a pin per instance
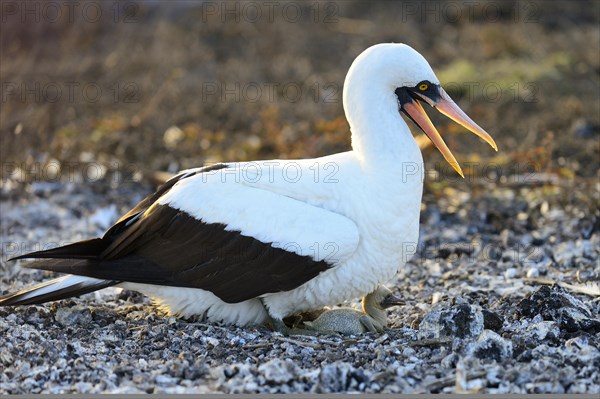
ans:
(502, 296)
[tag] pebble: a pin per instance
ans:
(567, 253)
(278, 371)
(76, 315)
(555, 304)
(492, 320)
(492, 346)
(334, 377)
(461, 321)
(543, 331)
(511, 273)
(533, 272)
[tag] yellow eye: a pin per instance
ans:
(423, 86)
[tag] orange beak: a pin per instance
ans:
(448, 107)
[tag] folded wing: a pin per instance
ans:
(200, 230)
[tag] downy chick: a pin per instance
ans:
(352, 321)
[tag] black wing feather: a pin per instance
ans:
(173, 248)
(158, 244)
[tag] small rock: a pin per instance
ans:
(460, 321)
(554, 304)
(587, 275)
(507, 238)
(449, 362)
(581, 348)
(587, 226)
(511, 273)
(535, 255)
(76, 315)
(334, 377)
(545, 330)
(573, 320)
(567, 253)
(210, 341)
(533, 272)
(6, 358)
(127, 390)
(492, 346)
(44, 188)
(165, 380)
(408, 352)
(492, 321)
(278, 371)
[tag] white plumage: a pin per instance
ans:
(357, 211)
(369, 208)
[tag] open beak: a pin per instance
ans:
(391, 300)
(443, 103)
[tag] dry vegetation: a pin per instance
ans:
(160, 70)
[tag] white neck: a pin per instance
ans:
(378, 314)
(380, 137)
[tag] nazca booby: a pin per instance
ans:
(248, 242)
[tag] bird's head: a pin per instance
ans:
(381, 298)
(403, 71)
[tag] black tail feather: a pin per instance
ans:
(54, 290)
(88, 249)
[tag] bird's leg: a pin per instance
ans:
(293, 320)
(279, 326)
(370, 324)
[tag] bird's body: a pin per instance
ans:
(310, 217)
(341, 320)
(246, 242)
(372, 318)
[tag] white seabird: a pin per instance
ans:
(248, 242)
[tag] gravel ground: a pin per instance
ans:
(501, 297)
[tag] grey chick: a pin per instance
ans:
(352, 321)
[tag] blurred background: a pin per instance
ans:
(136, 87)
